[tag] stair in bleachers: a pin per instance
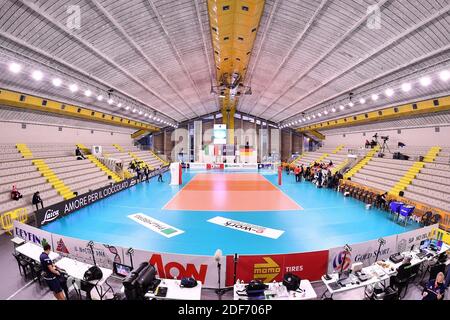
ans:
(432, 154)
(362, 163)
(53, 179)
(24, 151)
(104, 168)
(407, 178)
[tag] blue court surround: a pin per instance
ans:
(328, 220)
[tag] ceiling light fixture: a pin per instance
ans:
(100, 98)
(444, 75)
(374, 97)
(15, 67)
(351, 104)
(406, 87)
(341, 107)
(425, 81)
(389, 92)
(56, 82)
(37, 75)
(87, 93)
(362, 100)
(73, 87)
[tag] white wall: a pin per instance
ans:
(410, 137)
(12, 132)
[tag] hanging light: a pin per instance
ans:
(444, 75)
(362, 100)
(374, 97)
(389, 92)
(37, 75)
(425, 81)
(100, 98)
(56, 82)
(73, 87)
(15, 67)
(406, 87)
(87, 93)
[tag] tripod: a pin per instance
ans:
(221, 291)
(384, 146)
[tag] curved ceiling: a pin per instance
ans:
(157, 54)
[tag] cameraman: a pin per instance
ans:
(51, 274)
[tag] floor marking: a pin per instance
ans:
(164, 207)
(301, 208)
(18, 291)
(155, 225)
(247, 227)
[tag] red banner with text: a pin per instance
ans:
(267, 268)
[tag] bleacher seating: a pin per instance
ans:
(431, 185)
(325, 154)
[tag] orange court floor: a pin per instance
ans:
(231, 192)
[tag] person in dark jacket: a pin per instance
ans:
(147, 173)
(51, 274)
(78, 153)
(36, 200)
(435, 288)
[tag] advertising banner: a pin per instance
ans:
(64, 208)
(364, 252)
(169, 266)
(247, 227)
(210, 166)
(197, 166)
(31, 234)
(267, 268)
(411, 239)
(79, 250)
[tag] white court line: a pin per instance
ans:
(164, 207)
(18, 291)
(301, 208)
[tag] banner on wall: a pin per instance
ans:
(77, 249)
(210, 166)
(364, 252)
(406, 240)
(31, 234)
(268, 268)
(64, 208)
(169, 266)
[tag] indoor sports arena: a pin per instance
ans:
(225, 150)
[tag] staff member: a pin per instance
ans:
(435, 288)
(51, 275)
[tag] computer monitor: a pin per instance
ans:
(436, 244)
(424, 244)
(121, 270)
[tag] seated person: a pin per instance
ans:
(381, 200)
(78, 153)
(367, 144)
(403, 271)
(373, 144)
(36, 200)
(15, 194)
(435, 288)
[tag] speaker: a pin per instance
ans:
(401, 193)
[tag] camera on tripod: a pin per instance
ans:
(385, 138)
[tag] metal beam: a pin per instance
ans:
(326, 53)
(367, 57)
(186, 72)
(26, 101)
(139, 50)
(98, 53)
(392, 112)
(289, 53)
(384, 74)
(28, 46)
